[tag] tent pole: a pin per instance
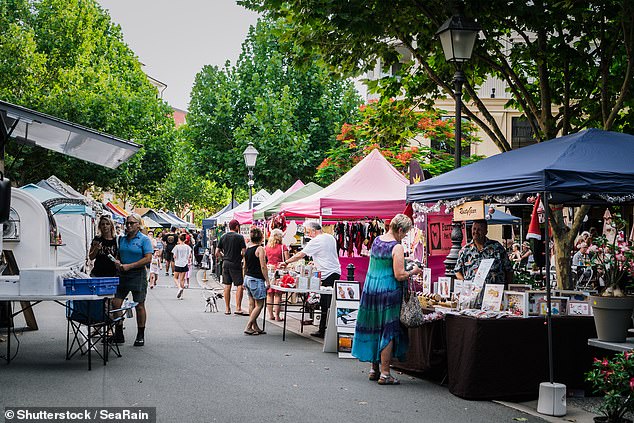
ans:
(548, 294)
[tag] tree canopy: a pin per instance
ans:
(66, 58)
(290, 115)
(568, 65)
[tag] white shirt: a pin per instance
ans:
(181, 255)
(323, 250)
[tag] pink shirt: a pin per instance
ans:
(275, 255)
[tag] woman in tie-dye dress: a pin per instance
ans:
(378, 336)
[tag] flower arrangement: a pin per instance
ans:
(613, 258)
(615, 380)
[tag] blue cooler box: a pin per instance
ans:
(91, 286)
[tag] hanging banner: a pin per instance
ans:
(439, 234)
(471, 210)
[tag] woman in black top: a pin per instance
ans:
(104, 245)
(256, 279)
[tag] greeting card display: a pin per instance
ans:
(492, 299)
(347, 300)
(426, 282)
(516, 302)
(444, 283)
(579, 308)
(482, 272)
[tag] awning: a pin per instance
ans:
(37, 129)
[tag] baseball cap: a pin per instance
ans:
(234, 224)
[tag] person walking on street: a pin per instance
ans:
(135, 252)
(182, 254)
(170, 240)
(230, 249)
(256, 279)
(322, 247)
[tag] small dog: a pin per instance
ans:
(211, 304)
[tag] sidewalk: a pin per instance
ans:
(576, 407)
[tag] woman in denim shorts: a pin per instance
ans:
(256, 280)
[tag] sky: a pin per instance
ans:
(175, 39)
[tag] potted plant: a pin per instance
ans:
(614, 379)
(614, 261)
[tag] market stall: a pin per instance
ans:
(590, 167)
(371, 191)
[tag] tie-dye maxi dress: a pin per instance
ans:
(378, 318)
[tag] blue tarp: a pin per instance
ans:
(586, 167)
(501, 218)
(211, 221)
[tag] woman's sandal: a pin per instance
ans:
(388, 380)
(373, 375)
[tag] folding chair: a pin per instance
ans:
(91, 323)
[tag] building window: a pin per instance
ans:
(522, 134)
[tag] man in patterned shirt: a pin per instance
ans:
(481, 248)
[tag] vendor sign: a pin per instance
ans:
(439, 233)
(471, 210)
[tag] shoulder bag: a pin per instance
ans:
(412, 315)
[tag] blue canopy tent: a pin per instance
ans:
(500, 218)
(589, 167)
(211, 221)
(184, 223)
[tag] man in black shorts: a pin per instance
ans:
(170, 240)
(231, 248)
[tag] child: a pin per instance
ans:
(155, 266)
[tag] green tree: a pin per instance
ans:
(397, 129)
(66, 58)
(567, 64)
(290, 115)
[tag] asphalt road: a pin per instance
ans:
(200, 367)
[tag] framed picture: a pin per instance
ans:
(445, 284)
(347, 290)
(427, 281)
(492, 299)
(579, 308)
(516, 302)
(344, 342)
(534, 298)
(347, 317)
(555, 307)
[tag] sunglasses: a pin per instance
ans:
(130, 223)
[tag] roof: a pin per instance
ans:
(372, 188)
(274, 207)
(589, 167)
(38, 129)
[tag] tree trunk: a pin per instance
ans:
(563, 238)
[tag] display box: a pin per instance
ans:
(10, 285)
(314, 284)
(303, 282)
(91, 286)
(43, 280)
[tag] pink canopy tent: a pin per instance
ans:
(246, 217)
(372, 188)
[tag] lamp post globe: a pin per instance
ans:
(457, 36)
(250, 155)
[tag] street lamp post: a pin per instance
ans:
(250, 156)
(457, 37)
